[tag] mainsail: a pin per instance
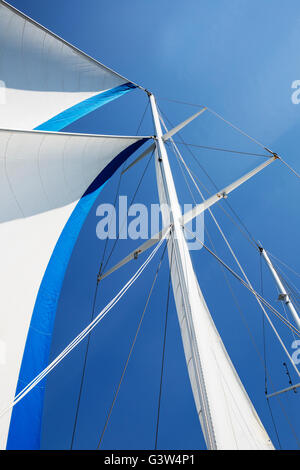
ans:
(227, 416)
(48, 183)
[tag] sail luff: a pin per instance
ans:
(227, 416)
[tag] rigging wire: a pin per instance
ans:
(281, 405)
(131, 202)
(248, 284)
(284, 264)
(252, 239)
(247, 235)
(231, 290)
(131, 349)
(262, 359)
(243, 317)
(283, 308)
(259, 297)
(265, 355)
(222, 118)
(287, 281)
(143, 116)
(214, 218)
(274, 423)
(251, 337)
(241, 132)
(163, 353)
(289, 167)
(84, 332)
(96, 295)
(91, 318)
(270, 307)
(237, 128)
(220, 149)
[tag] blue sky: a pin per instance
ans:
(239, 58)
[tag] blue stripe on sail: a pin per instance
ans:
(79, 110)
(26, 419)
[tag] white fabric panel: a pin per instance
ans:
(219, 395)
(42, 175)
(26, 246)
(40, 171)
(43, 74)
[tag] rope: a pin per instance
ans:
(130, 351)
(251, 238)
(263, 324)
(283, 411)
(131, 202)
(289, 167)
(241, 132)
(91, 318)
(248, 284)
(143, 116)
(247, 235)
(274, 424)
(260, 298)
(259, 356)
(236, 128)
(265, 355)
(257, 351)
(222, 119)
(83, 333)
(163, 354)
(96, 295)
(284, 264)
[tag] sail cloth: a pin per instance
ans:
(46, 180)
(46, 83)
(228, 418)
(48, 183)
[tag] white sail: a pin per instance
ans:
(227, 416)
(48, 184)
(46, 180)
(219, 395)
(47, 82)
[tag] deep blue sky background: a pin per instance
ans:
(240, 58)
